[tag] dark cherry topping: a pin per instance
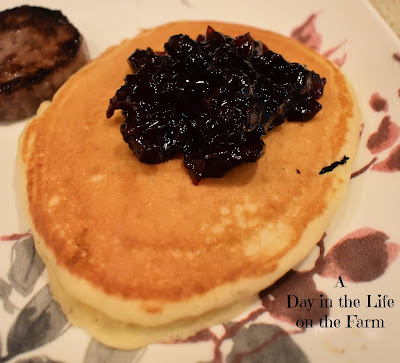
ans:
(211, 99)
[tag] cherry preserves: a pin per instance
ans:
(211, 99)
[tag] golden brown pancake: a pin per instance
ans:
(137, 253)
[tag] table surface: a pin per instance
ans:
(390, 11)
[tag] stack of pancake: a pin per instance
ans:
(137, 253)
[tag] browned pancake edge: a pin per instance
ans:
(142, 239)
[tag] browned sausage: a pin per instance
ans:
(39, 50)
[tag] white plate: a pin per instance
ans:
(361, 245)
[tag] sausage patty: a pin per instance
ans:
(39, 50)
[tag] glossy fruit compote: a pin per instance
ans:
(211, 99)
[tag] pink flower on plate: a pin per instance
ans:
(378, 103)
(360, 256)
(308, 34)
(386, 135)
(391, 164)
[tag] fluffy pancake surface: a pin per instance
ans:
(142, 247)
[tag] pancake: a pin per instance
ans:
(137, 253)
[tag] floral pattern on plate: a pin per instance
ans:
(361, 247)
